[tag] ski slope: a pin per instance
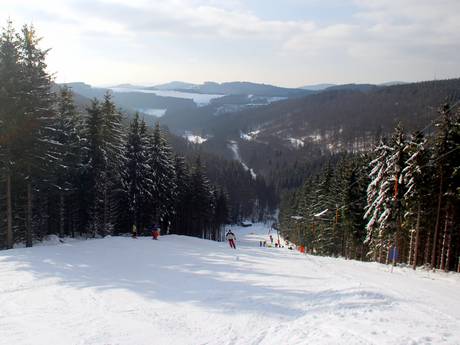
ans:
(181, 290)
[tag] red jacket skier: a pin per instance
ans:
(156, 232)
(231, 238)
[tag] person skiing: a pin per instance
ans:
(271, 239)
(134, 231)
(231, 238)
(156, 232)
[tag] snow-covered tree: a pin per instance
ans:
(163, 175)
(416, 177)
(38, 150)
(379, 198)
(67, 134)
(137, 179)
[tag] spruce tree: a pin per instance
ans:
(68, 168)
(163, 176)
(417, 178)
(113, 143)
(200, 200)
(136, 178)
(10, 111)
(38, 150)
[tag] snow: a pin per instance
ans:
(296, 143)
(195, 139)
(321, 213)
(181, 290)
(233, 145)
(200, 99)
(249, 136)
(153, 112)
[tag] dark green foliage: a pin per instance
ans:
(68, 172)
(411, 185)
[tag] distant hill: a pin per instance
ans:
(316, 87)
(134, 101)
(353, 87)
(126, 86)
(242, 88)
(175, 85)
(393, 83)
(332, 121)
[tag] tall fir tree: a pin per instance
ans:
(11, 94)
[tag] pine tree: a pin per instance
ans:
(416, 177)
(446, 159)
(92, 196)
(10, 110)
(379, 198)
(163, 175)
(68, 168)
(38, 150)
(181, 223)
(113, 137)
(446, 156)
(136, 180)
(200, 200)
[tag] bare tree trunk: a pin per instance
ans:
(29, 214)
(438, 219)
(105, 220)
(426, 256)
(417, 238)
(61, 215)
(411, 245)
(442, 257)
(9, 214)
(449, 250)
(446, 241)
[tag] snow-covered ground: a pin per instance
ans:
(181, 290)
(194, 139)
(201, 99)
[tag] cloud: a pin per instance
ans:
(416, 34)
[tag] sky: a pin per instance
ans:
(287, 43)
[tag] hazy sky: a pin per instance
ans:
(283, 42)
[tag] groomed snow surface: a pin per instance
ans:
(181, 290)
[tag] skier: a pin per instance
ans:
(134, 231)
(231, 238)
(156, 232)
(271, 239)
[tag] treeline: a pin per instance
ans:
(399, 203)
(248, 197)
(71, 173)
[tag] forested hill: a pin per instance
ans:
(290, 132)
(242, 88)
(346, 113)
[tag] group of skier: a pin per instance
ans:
(229, 236)
(154, 230)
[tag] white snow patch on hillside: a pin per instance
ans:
(245, 136)
(296, 143)
(249, 136)
(195, 139)
(153, 112)
(314, 137)
(200, 99)
(181, 290)
(233, 145)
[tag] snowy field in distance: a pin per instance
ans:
(201, 99)
(181, 290)
(153, 112)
